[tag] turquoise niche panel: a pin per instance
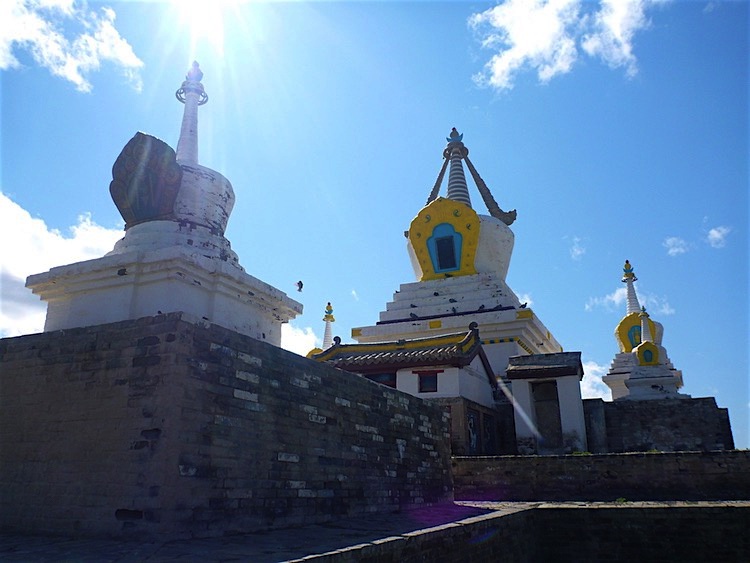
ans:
(634, 335)
(444, 247)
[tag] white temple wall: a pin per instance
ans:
(473, 384)
(500, 354)
(571, 413)
(407, 380)
(525, 434)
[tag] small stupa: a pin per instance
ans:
(642, 369)
(329, 319)
(174, 255)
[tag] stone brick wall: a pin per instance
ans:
(164, 427)
(721, 475)
(667, 425)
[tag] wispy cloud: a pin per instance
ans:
(616, 301)
(675, 246)
(717, 237)
(592, 386)
(548, 36)
(354, 295)
(298, 340)
(577, 250)
(614, 26)
(525, 298)
(37, 248)
(66, 38)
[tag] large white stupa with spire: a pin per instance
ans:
(460, 259)
(174, 255)
(450, 335)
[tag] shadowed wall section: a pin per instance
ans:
(719, 475)
(165, 427)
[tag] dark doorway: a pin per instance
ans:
(547, 411)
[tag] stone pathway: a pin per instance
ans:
(291, 544)
(262, 547)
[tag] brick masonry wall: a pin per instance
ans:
(667, 425)
(161, 427)
(723, 475)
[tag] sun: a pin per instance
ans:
(205, 21)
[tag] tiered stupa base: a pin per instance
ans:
(175, 278)
(631, 381)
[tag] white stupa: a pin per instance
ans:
(174, 256)
(460, 260)
(329, 319)
(642, 369)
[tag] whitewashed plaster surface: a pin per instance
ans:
(629, 380)
(469, 382)
(133, 285)
(494, 249)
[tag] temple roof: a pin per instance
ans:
(538, 366)
(456, 350)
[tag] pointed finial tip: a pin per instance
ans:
(195, 74)
(628, 273)
(455, 136)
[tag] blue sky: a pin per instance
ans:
(616, 131)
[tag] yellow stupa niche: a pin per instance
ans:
(647, 353)
(444, 236)
(628, 332)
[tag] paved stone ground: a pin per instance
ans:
(263, 547)
(274, 546)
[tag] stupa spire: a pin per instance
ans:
(645, 328)
(457, 188)
(328, 318)
(191, 94)
(628, 277)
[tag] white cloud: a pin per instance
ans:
(675, 246)
(610, 302)
(717, 237)
(654, 304)
(37, 248)
(525, 298)
(592, 386)
(66, 38)
(354, 295)
(298, 340)
(544, 35)
(577, 250)
(614, 25)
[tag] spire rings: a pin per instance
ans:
(448, 152)
(190, 86)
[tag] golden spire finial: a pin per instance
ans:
(329, 313)
(628, 273)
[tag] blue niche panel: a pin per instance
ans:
(444, 247)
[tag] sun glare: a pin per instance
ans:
(205, 21)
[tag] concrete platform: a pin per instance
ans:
(375, 538)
